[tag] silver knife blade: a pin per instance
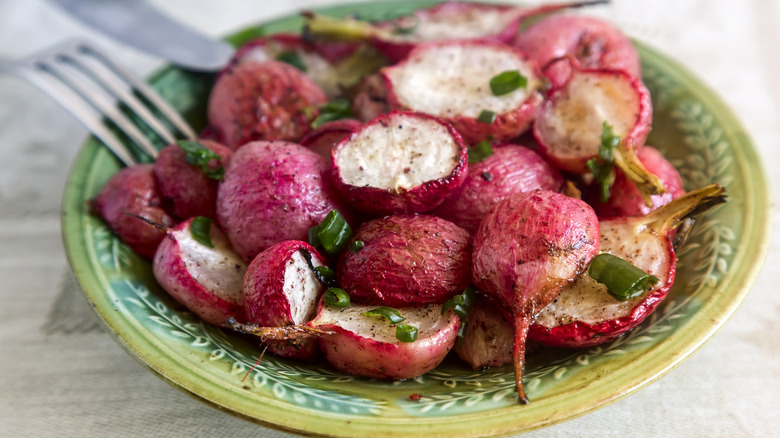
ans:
(136, 23)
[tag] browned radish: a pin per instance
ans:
(406, 261)
(199, 269)
(262, 101)
(281, 289)
(273, 191)
(323, 138)
(455, 82)
(399, 163)
(131, 205)
(489, 335)
(509, 169)
(187, 175)
(584, 313)
(527, 248)
(369, 98)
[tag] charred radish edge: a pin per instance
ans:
(200, 156)
(461, 305)
(622, 279)
(332, 234)
(285, 333)
(200, 230)
(323, 274)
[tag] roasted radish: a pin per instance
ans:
(369, 98)
(507, 170)
(489, 335)
(584, 313)
(484, 89)
(132, 207)
(404, 261)
(323, 138)
(527, 248)
(399, 163)
(197, 267)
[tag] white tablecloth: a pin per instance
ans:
(61, 375)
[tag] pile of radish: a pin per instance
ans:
(379, 194)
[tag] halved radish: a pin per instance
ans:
(323, 138)
(584, 313)
(281, 289)
(452, 81)
(399, 163)
(206, 280)
(489, 336)
(368, 346)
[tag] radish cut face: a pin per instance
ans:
(301, 288)
(427, 319)
(458, 21)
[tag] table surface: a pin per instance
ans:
(62, 375)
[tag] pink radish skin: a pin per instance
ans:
(527, 248)
(131, 194)
(207, 281)
(399, 163)
(366, 346)
(323, 138)
(273, 191)
(262, 101)
(280, 289)
(457, 87)
(510, 169)
(569, 124)
(625, 199)
(370, 98)
(185, 190)
(406, 261)
(489, 335)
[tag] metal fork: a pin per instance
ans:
(97, 90)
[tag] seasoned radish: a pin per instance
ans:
(584, 313)
(273, 191)
(462, 82)
(323, 138)
(131, 205)
(527, 248)
(507, 170)
(399, 163)
(187, 174)
(405, 261)
(369, 346)
(489, 335)
(198, 268)
(369, 98)
(262, 101)
(281, 289)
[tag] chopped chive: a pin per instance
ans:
(335, 297)
(461, 305)
(293, 58)
(622, 279)
(406, 333)
(200, 230)
(336, 109)
(356, 245)
(388, 313)
(507, 82)
(602, 166)
(479, 151)
(331, 234)
(196, 154)
(325, 272)
(487, 116)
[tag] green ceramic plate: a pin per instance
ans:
(717, 266)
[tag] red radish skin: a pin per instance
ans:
(625, 199)
(131, 204)
(527, 248)
(406, 261)
(399, 163)
(207, 281)
(510, 169)
(451, 80)
(263, 101)
(185, 189)
(366, 346)
(489, 335)
(323, 138)
(273, 191)
(370, 98)
(280, 290)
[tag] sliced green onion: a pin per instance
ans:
(622, 279)
(461, 305)
(480, 151)
(335, 297)
(200, 230)
(356, 245)
(336, 109)
(406, 333)
(388, 313)
(487, 116)
(331, 234)
(325, 272)
(200, 156)
(507, 82)
(603, 164)
(293, 58)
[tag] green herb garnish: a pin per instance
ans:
(200, 230)
(507, 82)
(336, 109)
(331, 234)
(622, 279)
(387, 313)
(479, 151)
(487, 116)
(603, 164)
(293, 58)
(335, 297)
(200, 156)
(406, 333)
(461, 305)
(325, 272)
